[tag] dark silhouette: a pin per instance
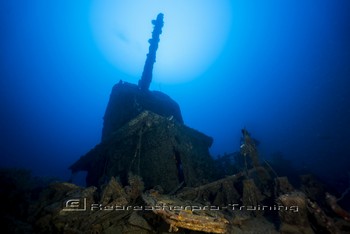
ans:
(146, 78)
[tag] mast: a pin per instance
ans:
(146, 77)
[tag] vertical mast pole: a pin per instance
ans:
(146, 77)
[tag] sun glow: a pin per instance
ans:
(194, 34)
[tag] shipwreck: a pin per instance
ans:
(153, 174)
(144, 134)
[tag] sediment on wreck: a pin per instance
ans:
(143, 133)
(127, 101)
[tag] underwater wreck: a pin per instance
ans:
(153, 174)
(143, 134)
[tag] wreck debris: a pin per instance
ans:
(282, 186)
(261, 177)
(136, 186)
(168, 154)
(173, 158)
(332, 202)
(322, 220)
(240, 218)
(113, 192)
(251, 195)
(249, 149)
(190, 216)
(216, 188)
(295, 218)
(101, 216)
(294, 210)
(190, 208)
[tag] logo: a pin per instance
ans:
(75, 205)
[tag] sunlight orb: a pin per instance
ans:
(194, 34)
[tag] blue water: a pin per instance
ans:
(283, 74)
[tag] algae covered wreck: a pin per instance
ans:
(153, 174)
(144, 134)
(148, 160)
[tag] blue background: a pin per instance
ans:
(283, 74)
